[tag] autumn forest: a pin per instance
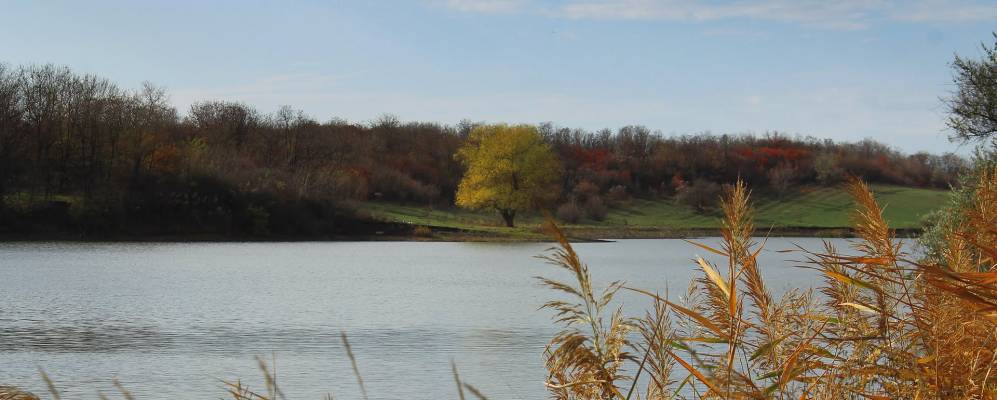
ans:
(83, 157)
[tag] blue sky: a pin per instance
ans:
(842, 69)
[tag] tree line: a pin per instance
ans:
(78, 147)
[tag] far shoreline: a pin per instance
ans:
(576, 234)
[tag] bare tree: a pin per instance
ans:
(11, 115)
(973, 107)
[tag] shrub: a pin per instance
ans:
(827, 168)
(595, 208)
(584, 190)
(397, 185)
(334, 184)
(259, 219)
(618, 194)
(780, 177)
(569, 212)
(938, 225)
(422, 231)
(701, 195)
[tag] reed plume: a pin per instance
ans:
(882, 325)
(584, 359)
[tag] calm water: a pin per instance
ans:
(170, 319)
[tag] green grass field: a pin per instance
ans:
(824, 208)
(809, 208)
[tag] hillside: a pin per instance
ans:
(807, 211)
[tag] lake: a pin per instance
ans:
(171, 320)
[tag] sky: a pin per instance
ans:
(844, 69)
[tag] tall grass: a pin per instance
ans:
(882, 324)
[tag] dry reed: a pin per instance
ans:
(881, 326)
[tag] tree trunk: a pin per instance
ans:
(508, 216)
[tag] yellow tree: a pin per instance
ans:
(509, 169)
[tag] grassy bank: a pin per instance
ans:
(804, 212)
(809, 211)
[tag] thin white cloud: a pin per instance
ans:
(942, 11)
(844, 14)
(485, 6)
(837, 14)
(278, 89)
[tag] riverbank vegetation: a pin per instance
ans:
(83, 157)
